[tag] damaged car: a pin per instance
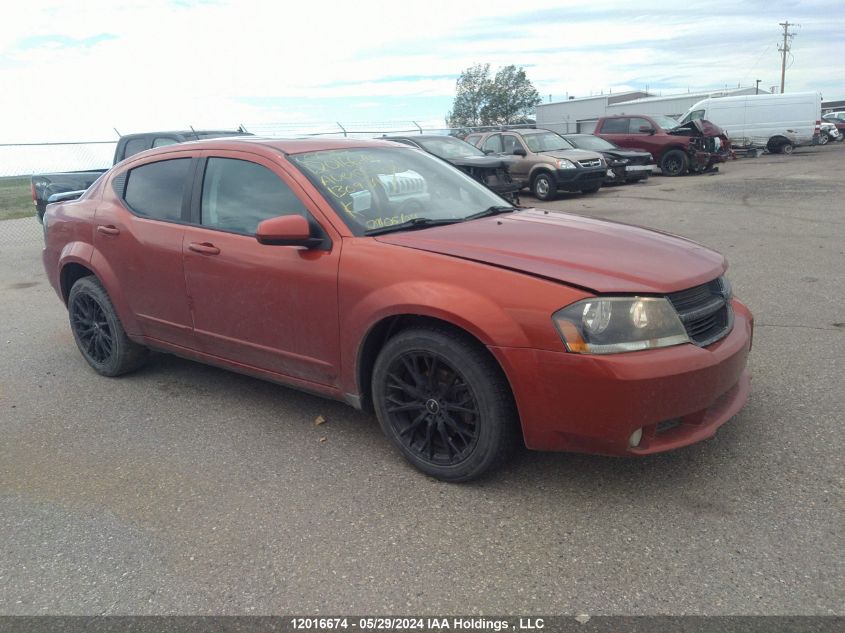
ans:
(678, 149)
(491, 171)
(623, 165)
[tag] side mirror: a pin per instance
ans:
(286, 230)
(646, 129)
(519, 151)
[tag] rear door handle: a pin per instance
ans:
(204, 247)
(108, 230)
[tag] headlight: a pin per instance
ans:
(608, 325)
(562, 163)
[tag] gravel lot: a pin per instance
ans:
(186, 489)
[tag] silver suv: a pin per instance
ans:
(544, 161)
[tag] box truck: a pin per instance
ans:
(778, 122)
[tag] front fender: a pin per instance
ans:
(499, 307)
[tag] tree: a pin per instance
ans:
(480, 100)
(513, 97)
(471, 96)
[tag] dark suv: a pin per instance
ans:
(546, 162)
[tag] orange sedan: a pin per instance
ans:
(377, 274)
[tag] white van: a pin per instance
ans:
(780, 122)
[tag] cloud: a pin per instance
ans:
(80, 69)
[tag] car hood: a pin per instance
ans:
(597, 255)
(698, 127)
(482, 162)
(573, 154)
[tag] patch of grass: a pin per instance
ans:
(16, 198)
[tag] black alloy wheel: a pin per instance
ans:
(444, 402)
(431, 407)
(89, 323)
(98, 332)
(674, 163)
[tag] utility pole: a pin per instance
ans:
(787, 39)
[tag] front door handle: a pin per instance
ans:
(108, 230)
(204, 247)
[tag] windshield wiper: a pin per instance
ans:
(413, 223)
(494, 210)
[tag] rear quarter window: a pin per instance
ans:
(155, 190)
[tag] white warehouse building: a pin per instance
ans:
(580, 115)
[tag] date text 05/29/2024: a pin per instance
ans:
(415, 624)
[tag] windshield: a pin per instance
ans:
(377, 187)
(666, 122)
(592, 142)
(449, 147)
(546, 142)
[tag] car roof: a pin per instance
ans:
(418, 137)
(285, 146)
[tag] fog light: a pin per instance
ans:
(635, 438)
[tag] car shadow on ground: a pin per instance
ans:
(626, 477)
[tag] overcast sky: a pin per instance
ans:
(75, 70)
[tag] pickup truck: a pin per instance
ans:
(68, 185)
(677, 149)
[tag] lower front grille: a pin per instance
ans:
(705, 311)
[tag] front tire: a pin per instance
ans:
(543, 187)
(674, 163)
(98, 333)
(444, 403)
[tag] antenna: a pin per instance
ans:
(784, 49)
(116, 132)
(197, 136)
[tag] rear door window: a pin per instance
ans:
(237, 195)
(473, 139)
(156, 190)
(637, 126)
(615, 126)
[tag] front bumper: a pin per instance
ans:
(592, 404)
(580, 178)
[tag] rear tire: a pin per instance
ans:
(543, 186)
(786, 148)
(98, 333)
(824, 139)
(444, 403)
(674, 163)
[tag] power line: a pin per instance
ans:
(784, 50)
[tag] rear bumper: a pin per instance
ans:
(592, 404)
(580, 178)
